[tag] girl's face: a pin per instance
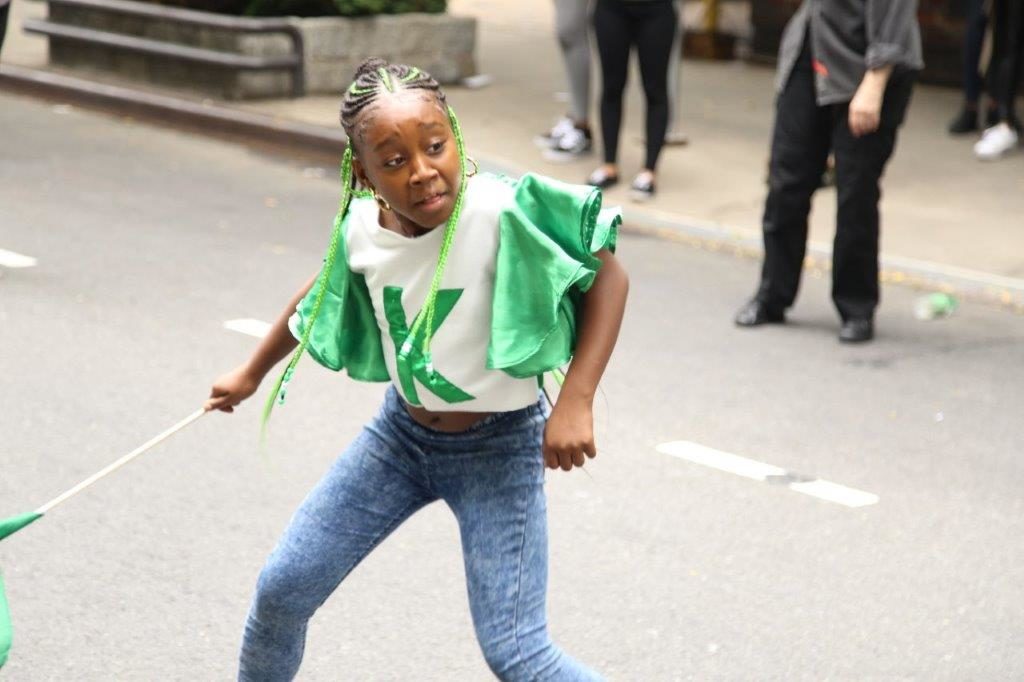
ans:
(406, 152)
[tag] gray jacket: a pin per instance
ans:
(847, 38)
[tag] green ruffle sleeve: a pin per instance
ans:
(345, 334)
(545, 262)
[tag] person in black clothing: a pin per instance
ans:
(1004, 78)
(966, 120)
(845, 76)
(5, 7)
(651, 26)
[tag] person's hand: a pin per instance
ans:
(232, 388)
(865, 111)
(569, 434)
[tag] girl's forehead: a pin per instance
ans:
(402, 109)
(409, 104)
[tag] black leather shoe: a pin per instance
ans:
(755, 313)
(857, 331)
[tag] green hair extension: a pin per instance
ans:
(280, 389)
(356, 90)
(426, 315)
(385, 78)
(386, 81)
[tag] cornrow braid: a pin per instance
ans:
(427, 313)
(375, 77)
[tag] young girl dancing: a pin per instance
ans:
(462, 289)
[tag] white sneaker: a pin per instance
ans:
(550, 138)
(643, 188)
(996, 141)
(570, 146)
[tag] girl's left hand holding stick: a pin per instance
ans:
(569, 435)
(232, 388)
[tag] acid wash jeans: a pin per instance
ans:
(492, 478)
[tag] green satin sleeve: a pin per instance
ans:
(345, 334)
(548, 235)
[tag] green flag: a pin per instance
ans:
(13, 524)
(5, 625)
(7, 527)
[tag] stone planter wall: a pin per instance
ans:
(441, 44)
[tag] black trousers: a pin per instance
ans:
(651, 27)
(803, 135)
(974, 38)
(3, 22)
(1007, 56)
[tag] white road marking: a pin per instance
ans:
(257, 328)
(833, 492)
(16, 260)
(759, 471)
(716, 459)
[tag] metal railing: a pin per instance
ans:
(294, 62)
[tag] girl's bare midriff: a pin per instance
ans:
(449, 422)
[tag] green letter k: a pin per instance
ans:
(412, 364)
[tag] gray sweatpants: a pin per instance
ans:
(572, 26)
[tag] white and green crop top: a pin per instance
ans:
(521, 257)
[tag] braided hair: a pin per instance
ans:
(376, 77)
(373, 78)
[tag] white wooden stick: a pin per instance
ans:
(121, 462)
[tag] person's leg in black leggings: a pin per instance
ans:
(974, 37)
(612, 29)
(1007, 54)
(4, 9)
(1015, 55)
(655, 31)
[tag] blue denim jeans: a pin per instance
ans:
(492, 478)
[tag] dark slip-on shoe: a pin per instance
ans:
(857, 330)
(755, 313)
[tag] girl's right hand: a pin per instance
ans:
(231, 389)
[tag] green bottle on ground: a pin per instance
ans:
(934, 306)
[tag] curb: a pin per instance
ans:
(207, 116)
(923, 275)
(204, 114)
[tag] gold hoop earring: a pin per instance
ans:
(381, 201)
(476, 167)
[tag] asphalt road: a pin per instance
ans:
(149, 239)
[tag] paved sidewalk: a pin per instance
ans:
(944, 213)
